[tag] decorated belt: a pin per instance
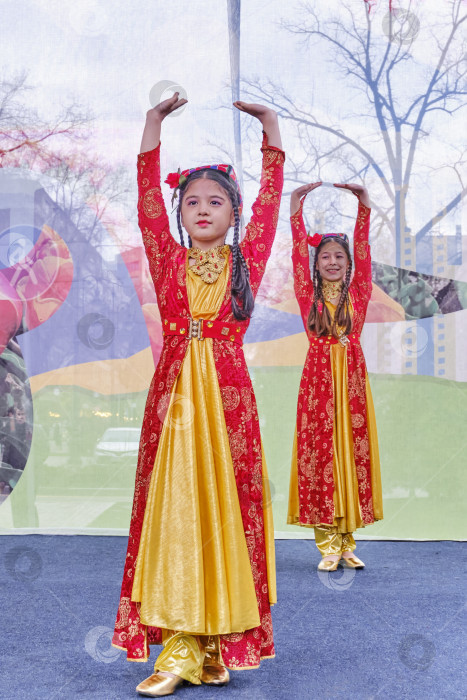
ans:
(201, 328)
(331, 340)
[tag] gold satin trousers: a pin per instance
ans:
(331, 542)
(184, 654)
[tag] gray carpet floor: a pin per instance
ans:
(393, 630)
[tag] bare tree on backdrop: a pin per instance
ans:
(86, 187)
(81, 183)
(377, 64)
(23, 129)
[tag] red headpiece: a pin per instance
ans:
(176, 180)
(315, 240)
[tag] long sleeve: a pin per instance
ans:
(303, 284)
(257, 244)
(152, 215)
(362, 254)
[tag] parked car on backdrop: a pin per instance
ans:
(117, 446)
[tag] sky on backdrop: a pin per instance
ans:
(107, 55)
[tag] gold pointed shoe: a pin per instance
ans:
(157, 685)
(215, 674)
(328, 564)
(353, 562)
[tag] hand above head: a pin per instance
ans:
(258, 111)
(154, 119)
(299, 195)
(358, 190)
(166, 107)
(267, 117)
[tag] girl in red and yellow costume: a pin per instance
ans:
(199, 573)
(335, 484)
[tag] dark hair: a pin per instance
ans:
(242, 296)
(322, 323)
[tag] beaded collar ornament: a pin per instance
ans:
(175, 180)
(331, 290)
(208, 263)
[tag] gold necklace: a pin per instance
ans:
(331, 290)
(208, 263)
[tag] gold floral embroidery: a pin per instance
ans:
(299, 276)
(255, 229)
(362, 250)
(357, 420)
(268, 197)
(266, 624)
(237, 445)
(123, 612)
(361, 449)
(303, 248)
(230, 397)
(234, 637)
(181, 276)
(162, 407)
(296, 219)
(173, 372)
(151, 204)
(247, 401)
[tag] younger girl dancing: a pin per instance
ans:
(335, 483)
(199, 572)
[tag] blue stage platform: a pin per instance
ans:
(392, 630)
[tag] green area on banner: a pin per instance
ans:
(422, 441)
(421, 426)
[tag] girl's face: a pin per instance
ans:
(332, 262)
(206, 213)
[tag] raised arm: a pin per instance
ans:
(362, 252)
(152, 215)
(257, 243)
(154, 119)
(303, 284)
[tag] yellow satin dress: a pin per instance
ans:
(193, 571)
(347, 513)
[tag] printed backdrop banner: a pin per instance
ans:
(367, 92)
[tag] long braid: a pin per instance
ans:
(244, 265)
(319, 284)
(319, 322)
(179, 221)
(314, 314)
(235, 262)
(240, 285)
(316, 288)
(342, 315)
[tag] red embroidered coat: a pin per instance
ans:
(315, 411)
(167, 263)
